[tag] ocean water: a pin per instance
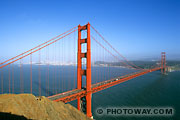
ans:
(150, 90)
(51, 79)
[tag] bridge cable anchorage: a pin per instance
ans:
(38, 46)
(112, 53)
(38, 49)
(115, 49)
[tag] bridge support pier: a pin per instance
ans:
(84, 103)
(163, 63)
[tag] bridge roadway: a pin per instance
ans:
(76, 93)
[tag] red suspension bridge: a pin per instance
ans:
(65, 71)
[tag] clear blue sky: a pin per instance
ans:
(137, 28)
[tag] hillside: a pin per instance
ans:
(27, 106)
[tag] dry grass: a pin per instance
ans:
(30, 107)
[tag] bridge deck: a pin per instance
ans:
(65, 94)
(74, 94)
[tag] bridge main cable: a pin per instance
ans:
(38, 46)
(37, 49)
(115, 49)
(111, 53)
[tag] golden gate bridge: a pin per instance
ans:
(91, 57)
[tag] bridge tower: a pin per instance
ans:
(163, 62)
(84, 103)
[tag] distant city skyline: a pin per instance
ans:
(138, 29)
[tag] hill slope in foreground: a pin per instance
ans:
(27, 106)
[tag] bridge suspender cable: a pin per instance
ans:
(111, 53)
(37, 49)
(39, 45)
(115, 49)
